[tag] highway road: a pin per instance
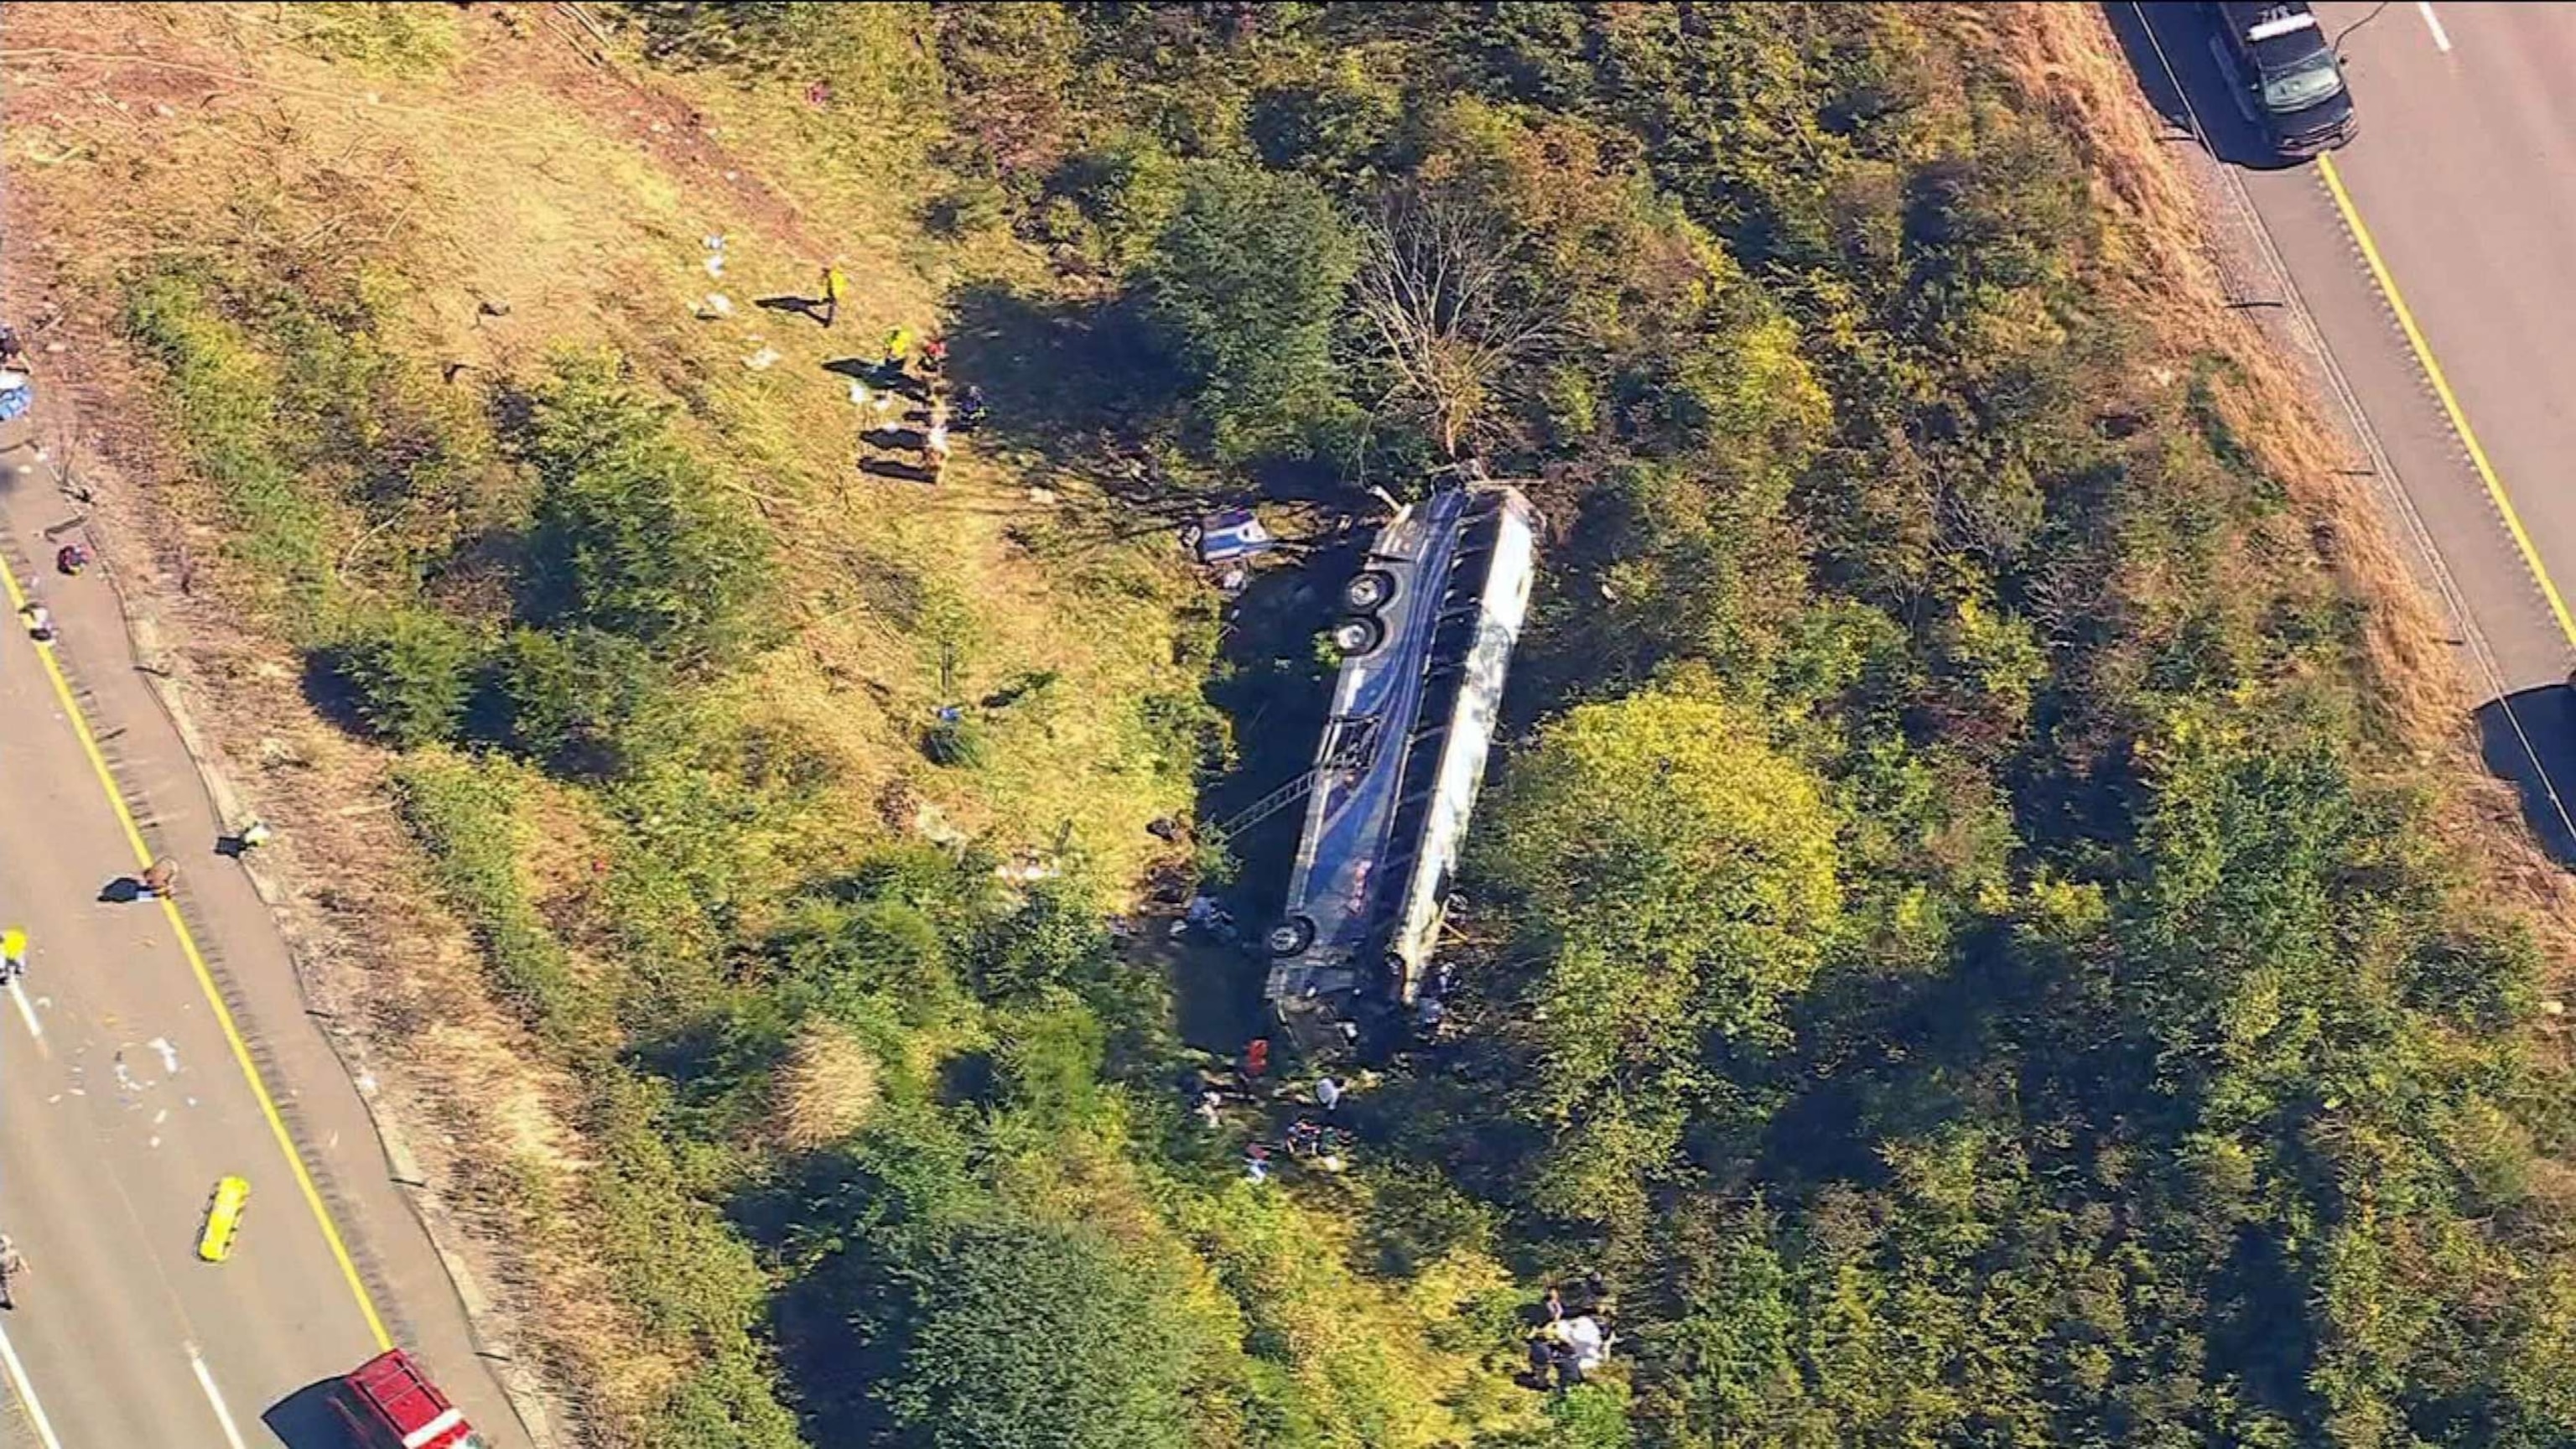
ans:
(149, 1051)
(2433, 254)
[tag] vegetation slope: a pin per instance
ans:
(1971, 939)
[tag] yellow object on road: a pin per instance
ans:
(13, 944)
(223, 1219)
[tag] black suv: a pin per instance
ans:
(2287, 75)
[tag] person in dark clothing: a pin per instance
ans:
(13, 1266)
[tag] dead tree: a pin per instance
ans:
(1435, 287)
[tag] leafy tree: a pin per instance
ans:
(1040, 1337)
(1678, 879)
(1244, 289)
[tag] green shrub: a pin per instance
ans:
(1053, 939)
(1047, 1062)
(1040, 1337)
(224, 390)
(579, 699)
(1243, 288)
(1122, 192)
(465, 815)
(408, 672)
(632, 535)
(851, 960)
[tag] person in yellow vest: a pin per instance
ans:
(836, 285)
(13, 954)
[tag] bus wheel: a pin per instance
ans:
(1357, 635)
(1290, 936)
(1370, 589)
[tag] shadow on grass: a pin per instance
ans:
(898, 470)
(1065, 380)
(834, 1316)
(806, 307)
(327, 690)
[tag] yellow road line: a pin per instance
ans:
(205, 976)
(2442, 389)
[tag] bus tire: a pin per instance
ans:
(1357, 635)
(1368, 590)
(1289, 936)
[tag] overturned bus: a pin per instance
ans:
(1428, 631)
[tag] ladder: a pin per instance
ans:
(1354, 754)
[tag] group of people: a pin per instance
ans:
(915, 373)
(1318, 1139)
(1571, 1342)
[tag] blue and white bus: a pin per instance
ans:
(1425, 641)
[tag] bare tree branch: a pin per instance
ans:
(1434, 289)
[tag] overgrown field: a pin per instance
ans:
(1981, 934)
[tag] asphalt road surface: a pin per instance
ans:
(2433, 253)
(128, 1087)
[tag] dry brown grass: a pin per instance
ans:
(2161, 267)
(827, 1090)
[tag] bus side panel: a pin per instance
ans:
(1462, 766)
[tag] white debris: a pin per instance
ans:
(169, 1054)
(763, 360)
(161, 1116)
(365, 1082)
(714, 305)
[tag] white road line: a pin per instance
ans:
(26, 1392)
(2433, 23)
(223, 1416)
(18, 994)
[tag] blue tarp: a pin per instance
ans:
(15, 401)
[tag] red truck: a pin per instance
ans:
(390, 1404)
